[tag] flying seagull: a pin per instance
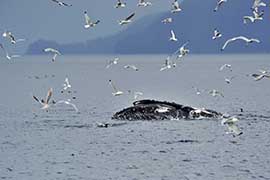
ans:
(53, 51)
(136, 94)
(182, 50)
(112, 62)
(248, 41)
(257, 4)
(116, 92)
(217, 34)
(264, 74)
(225, 66)
(66, 84)
(9, 57)
(68, 102)
(167, 20)
(219, 3)
(168, 64)
(11, 37)
(61, 3)
(131, 67)
(45, 104)
(88, 22)
(215, 93)
(144, 3)
(127, 20)
(231, 125)
(173, 37)
(257, 16)
(175, 7)
(120, 4)
(198, 91)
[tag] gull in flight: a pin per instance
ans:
(175, 7)
(53, 51)
(248, 41)
(66, 84)
(88, 22)
(11, 37)
(9, 57)
(112, 62)
(231, 125)
(168, 64)
(219, 3)
(182, 50)
(131, 67)
(68, 102)
(217, 34)
(45, 104)
(229, 80)
(167, 20)
(225, 66)
(198, 91)
(144, 3)
(173, 37)
(136, 94)
(257, 16)
(60, 3)
(264, 74)
(120, 4)
(257, 4)
(127, 20)
(215, 93)
(116, 92)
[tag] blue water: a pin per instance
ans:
(63, 144)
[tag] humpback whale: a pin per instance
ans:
(162, 110)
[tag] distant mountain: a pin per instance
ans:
(195, 23)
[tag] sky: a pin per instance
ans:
(44, 19)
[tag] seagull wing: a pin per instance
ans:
(113, 86)
(163, 68)
(49, 95)
(12, 38)
(228, 41)
(68, 103)
(175, 4)
(220, 93)
(67, 4)
(67, 82)
(186, 43)
(1, 45)
(134, 67)
(222, 67)
(87, 18)
(54, 57)
(233, 128)
(242, 38)
(255, 40)
(248, 18)
(258, 77)
(20, 40)
(129, 17)
(35, 98)
(173, 35)
(52, 50)
(15, 56)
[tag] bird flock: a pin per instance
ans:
(170, 61)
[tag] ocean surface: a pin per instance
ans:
(64, 145)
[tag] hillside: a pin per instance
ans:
(195, 23)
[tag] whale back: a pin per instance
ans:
(161, 110)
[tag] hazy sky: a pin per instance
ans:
(44, 19)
